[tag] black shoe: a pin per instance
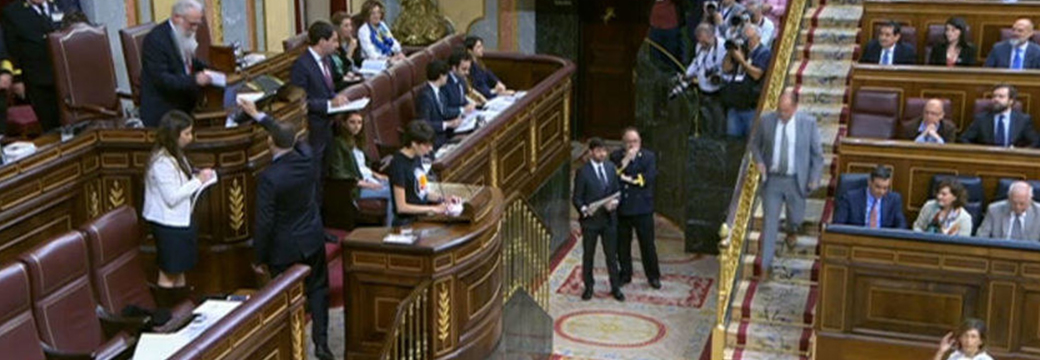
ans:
(617, 294)
(626, 279)
(323, 352)
(587, 294)
(655, 283)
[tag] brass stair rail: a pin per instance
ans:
(526, 252)
(409, 338)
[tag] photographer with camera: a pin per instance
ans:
(743, 71)
(756, 11)
(706, 68)
(721, 14)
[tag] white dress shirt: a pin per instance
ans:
(766, 30)
(707, 58)
(957, 355)
(778, 140)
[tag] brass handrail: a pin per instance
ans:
(525, 252)
(409, 337)
(732, 247)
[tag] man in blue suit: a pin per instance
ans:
(455, 89)
(288, 228)
(312, 72)
(432, 104)
(1018, 52)
(594, 181)
(875, 207)
(887, 49)
(171, 75)
(638, 173)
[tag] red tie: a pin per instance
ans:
(187, 62)
(328, 74)
(873, 215)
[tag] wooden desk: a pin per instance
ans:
(913, 165)
(463, 263)
(961, 85)
(63, 185)
(984, 18)
(270, 325)
(894, 294)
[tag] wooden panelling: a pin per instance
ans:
(984, 18)
(913, 166)
(904, 306)
(961, 85)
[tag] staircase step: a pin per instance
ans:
(828, 137)
(833, 16)
(836, 2)
(766, 337)
(813, 214)
(824, 113)
(821, 73)
(804, 248)
(825, 52)
(746, 354)
(786, 269)
(825, 95)
(832, 36)
(775, 302)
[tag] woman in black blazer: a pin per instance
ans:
(954, 50)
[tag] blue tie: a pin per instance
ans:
(1001, 139)
(886, 58)
(1016, 62)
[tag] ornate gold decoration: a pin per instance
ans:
(93, 201)
(236, 206)
(116, 196)
(443, 312)
(299, 348)
(420, 23)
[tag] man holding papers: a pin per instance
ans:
(171, 75)
(595, 196)
(312, 71)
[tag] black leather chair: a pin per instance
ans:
(975, 203)
(849, 182)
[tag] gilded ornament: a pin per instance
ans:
(236, 206)
(443, 312)
(117, 196)
(420, 23)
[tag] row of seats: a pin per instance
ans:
(937, 34)
(65, 296)
(876, 113)
(975, 204)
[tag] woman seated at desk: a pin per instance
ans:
(410, 187)
(377, 43)
(945, 214)
(347, 162)
(345, 60)
(954, 49)
(482, 79)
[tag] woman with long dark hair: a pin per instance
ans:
(348, 162)
(346, 60)
(482, 79)
(954, 49)
(170, 191)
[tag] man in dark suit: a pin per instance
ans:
(26, 25)
(931, 127)
(874, 207)
(638, 173)
(432, 104)
(887, 49)
(288, 228)
(171, 75)
(455, 89)
(1002, 125)
(1018, 52)
(597, 180)
(312, 72)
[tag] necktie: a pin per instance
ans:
(886, 57)
(325, 71)
(187, 62)
(1016, 228)
(1000, 138)
(1016, 61)
(874, 214)
(601, 175)
(782, 167)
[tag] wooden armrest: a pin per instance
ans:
(120, 346)
(113, 324)
(91, 108)
(55, 354)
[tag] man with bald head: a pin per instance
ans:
(788, 155)
(1018, 52)
(1015, 218)
(931, 127)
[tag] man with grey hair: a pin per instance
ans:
(1014, 218)
(706, 69)
(766, 27)
(1018, 52)
(171, 74)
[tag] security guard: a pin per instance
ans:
(637, 169)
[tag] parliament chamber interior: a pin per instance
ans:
(520, 179)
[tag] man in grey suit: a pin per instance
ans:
(786, 149)
(1017, 218)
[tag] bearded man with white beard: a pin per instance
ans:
(171, 75)
(1018, 52)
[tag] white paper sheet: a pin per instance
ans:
(219, 79)
(350, 106)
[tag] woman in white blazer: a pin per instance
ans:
(170, 191)
(377, 43)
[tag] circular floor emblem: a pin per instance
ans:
(610, 328)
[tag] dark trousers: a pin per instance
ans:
(713, 117)
(589, 237)
(44, 100)
(320, 138)
(317, 286)
(644, 228)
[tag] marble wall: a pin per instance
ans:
(559, 27)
